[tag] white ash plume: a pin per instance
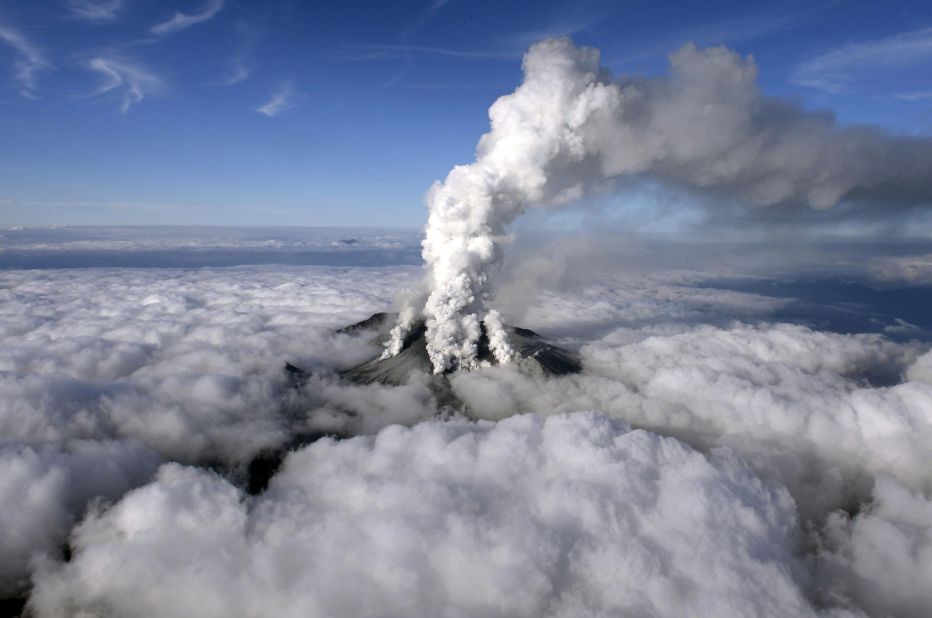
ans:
(406, 320)
(498, 338)
(570, 127)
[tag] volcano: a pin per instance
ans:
(534, 355)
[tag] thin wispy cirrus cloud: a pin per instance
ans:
(127, 78)
(913, 96)
(239, 73)
(729, 31)
(435, 7)
(837, 69)
(283, 99)
(240, 68)
(183, 21)
(511, 47)
(96, 11)
(389, 51)
(29, 60)
(569, 26)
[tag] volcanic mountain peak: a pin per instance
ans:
(534, 355)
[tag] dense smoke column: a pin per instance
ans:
(570, 127)
(532, 131)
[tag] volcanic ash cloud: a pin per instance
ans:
(570, 128)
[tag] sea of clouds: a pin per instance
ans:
(711, 459)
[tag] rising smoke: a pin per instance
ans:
(570, 127)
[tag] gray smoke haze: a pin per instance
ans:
(570, 128)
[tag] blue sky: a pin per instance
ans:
(285, 112)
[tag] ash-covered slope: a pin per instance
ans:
(534, 354)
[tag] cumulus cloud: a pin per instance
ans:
(921, 370)
(131, 81)
(29, 59)
(188, 362)
(570, 128)
(881, 559)
(182, 21)
(46, 489)
(283, 99)
(96, 11)
(769, 429)
(103, 373)
(572, 515)
(797, 404)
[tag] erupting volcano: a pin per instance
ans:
(530, 353)
(571, 129)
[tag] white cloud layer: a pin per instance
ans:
(566, 516)
(44, 490)
(189, 362)
(881, 559)
(793, 402)
(103, 373)
(114, 370)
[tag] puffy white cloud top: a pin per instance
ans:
(882, 558)
(798, 404)
(189, 362)
(106, 373)
(43, 491)
(571, 515)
